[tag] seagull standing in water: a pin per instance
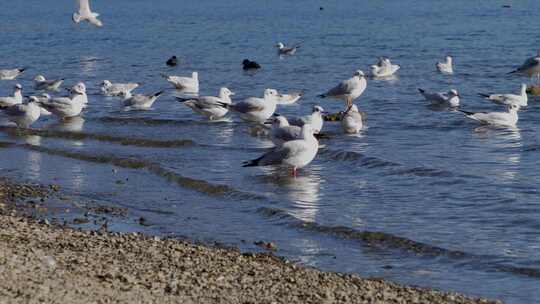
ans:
(351, 121)
(509, 99)
(284, 50)
(505, 119)
(115, 89)
(10, 74)
(209, 106)
(23, 115)
(282, 132)
(184, 83)
(384, 68)
(294, 154)
(40, 83)
(446, 66)
(450, 98)
(85, 14)
(531, 67)
(315, 119)
(12, 100)
(255, 109)
(287, 99)
(348, 90)
(139, 101)
(67, 107)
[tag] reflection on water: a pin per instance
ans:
(73, 124)
(33, 165)
(88, 65)
(33, 140)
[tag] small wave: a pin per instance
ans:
(367, 161)
(127, 141)
(384, 241)
(153, 121)
(171, 176)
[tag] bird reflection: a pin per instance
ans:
(88, 65)
(73, 124)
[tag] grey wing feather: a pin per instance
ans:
(275, 157)
(529, 63)
(245, 107)
(343, 87)
(16, 110)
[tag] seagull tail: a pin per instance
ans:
(483, 95)
(421, 91)
(181, 99)
(224, 105)
(513, 72)
(164, 76)
(158, 93)
(252, 163)
(322, 95)
(466, 112)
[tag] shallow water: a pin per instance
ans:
(420, 196)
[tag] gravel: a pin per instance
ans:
(42, 263)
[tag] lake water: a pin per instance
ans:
(420, 196)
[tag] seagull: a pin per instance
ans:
(85, 14)
(81, 87)
(43, 98)
(348, 90)
(115, 89)
(209, 106)
(10, 74)
(287, 99)
(250, 65)
(450, 98)
(315, 119)
(509, 99)
(282, 132)
(23, 115)
(445, 67)
(67, 107)
(40, 83)
(255, 109)
(283, 50)
(506, 119)
(384, 68)
(12, 100)
(296, 153)
(530, 67)
(139, 101)
(173, 61)
(351, 121)
(188, 84)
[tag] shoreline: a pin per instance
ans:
(45, 262)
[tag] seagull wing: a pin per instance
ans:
(84, 7)
(249, 105)
(344, 87)
(16, 110)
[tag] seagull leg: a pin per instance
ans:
(349, 102)
(293, 172)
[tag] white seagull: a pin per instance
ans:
(139, 101)
(446, 66)
(67, 107)
(294, 154)
(284, 50)
(255, 109)
(115, 89)
(10, 74)
(348, 90)
(23, 115)
(351, 121)
(85, 14)
(282, 132)
(315, 119)
(43, 98)
(40, 83)
(530, 67)
(287, 99)
(17, 97)
(209, 106)
(187, 84)
(505, 119)
(509, 99)
(384, 68)
(450, 98)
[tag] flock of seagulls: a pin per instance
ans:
(294, 138)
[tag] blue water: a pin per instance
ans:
(456, 205)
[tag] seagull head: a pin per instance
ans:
(79, 88)
(513, 108)
(226, 91)
(18, 87)
(454, 92)
(106, 83)
(359, 73)
(246, 61)
(280, 45)
(39, 78)
(270, 93)
(195, 75)
(318, 109)
(32, 99)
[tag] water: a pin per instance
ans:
(419, 197)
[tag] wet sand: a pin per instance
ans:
(50, 263)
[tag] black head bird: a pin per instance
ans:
(248, 65)
(173, 61)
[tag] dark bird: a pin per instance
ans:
(173, 61)
(249, 65)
